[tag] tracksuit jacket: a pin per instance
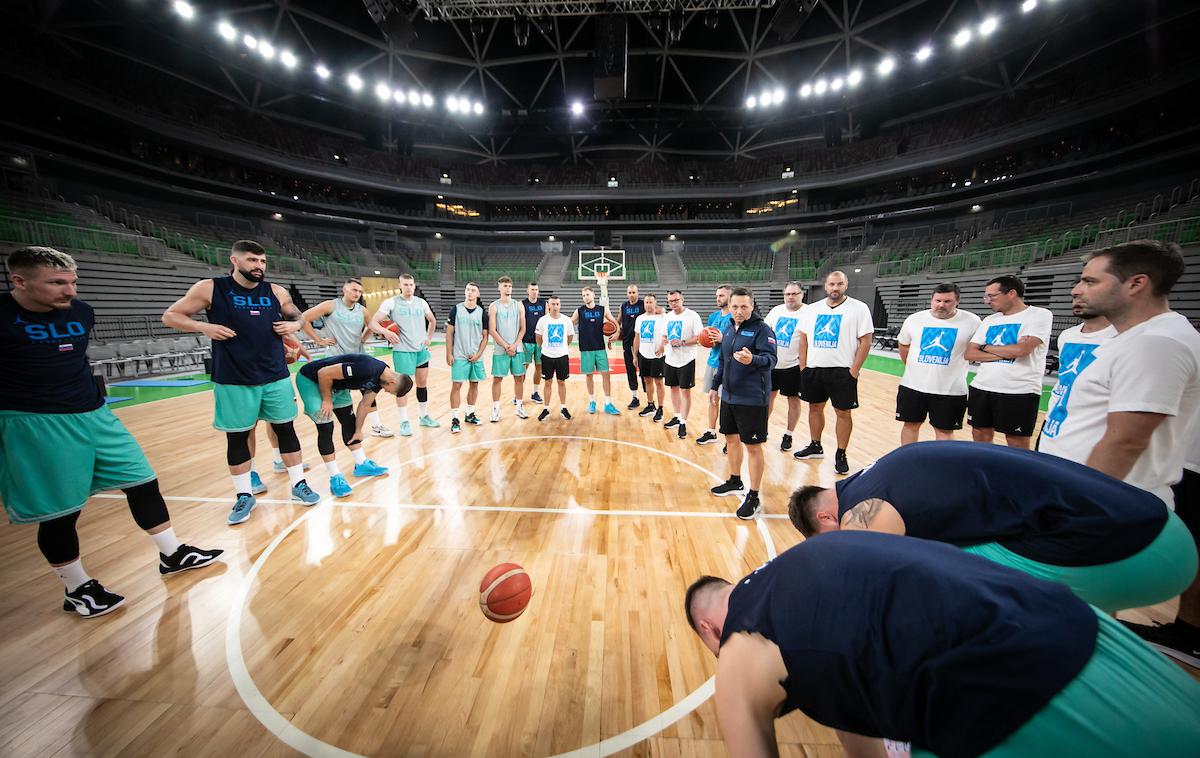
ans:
(746, 384)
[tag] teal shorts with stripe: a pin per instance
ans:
(504, 364)
(406, 362)
(239, 407)
(593, 361)
(467, 371)
(532, 352)
(310, 397)
(1128, 700)
(51, 463)
(1158, 572)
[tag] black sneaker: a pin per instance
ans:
(840, 464)
(633, 404)
(565, 413)
(813, 452)
(472, 419)
(535, 397)
(749, 507)
(545, 414)
(682, 431)
(786, 443)
(186, 557)
(674, 422)
(730, 487)
(1175, 640)
(657, 415)
(706, 439)
(647, 411)
(455, 426)
(91, 599)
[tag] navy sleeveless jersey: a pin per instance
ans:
(362, 371)
(45, 366)
(591, 325)
(897, 637)
(1040, 506)
(255, 356)
(533, 312)
(629, 313)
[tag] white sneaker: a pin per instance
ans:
(520, 412)
(495, 415)
(379, 430)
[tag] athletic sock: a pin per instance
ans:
(607, 399)
(332, 468)
(241, 484)
(424, 407)
(373, 419)
(591, 398)
(296, 474)
(496, 407)
(735, 479)
(166, 541)
(403, 413)
(454, 414)
(360, 455)
(635, 397)
(72, 575)
(712, 431)
(842, 450)
(751, 493)
(470, 410)
(277, 457)
(562, 407)
(252, 469)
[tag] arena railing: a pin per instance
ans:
(1185, 231)
(79, 238)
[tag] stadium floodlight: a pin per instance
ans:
(414, 97)
(399, 97)
(820, 87)
(777, 96)
(988, 26)
(765, 99)
(355, 82)
(886, 66)
(267, 50)
(836, 84)
(806, 90)
(185, 10)
(323, 71)
(967, 183)
(288, 59)
(477, 108)
(751, 102)
(924, 53)
(227, 32)
(962, 38)
(576, 108)
(427, 100)
(383, 92)
(854, 78)
(1028, 6)
(452, 104)
(250, 42)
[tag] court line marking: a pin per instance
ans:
(299, 740)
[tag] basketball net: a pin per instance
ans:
(602, 284)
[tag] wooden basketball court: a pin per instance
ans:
(354, 626)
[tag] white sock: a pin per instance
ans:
(373, 419)
(332, 468)
(404, 413)
(241, 483)
(635, 397)
(591, 398)
(562, 407)
(275, 452)
(72, 575)
(166, 541)
(296, 474)
(712, 431)
(359, 455)
(252, 469)
(606, 399)
(454, 414)
(424, 407)
(470, 410)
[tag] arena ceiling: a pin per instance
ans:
(693, 66)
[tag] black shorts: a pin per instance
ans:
(650, 368)
(786, 381)
(1187, 502)
(945, 412)
(556, 367)
(819, 385)
(749, 422)
(683, 376)
(1007, 414)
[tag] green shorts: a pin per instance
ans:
(1157, 572)
(51, 463)
(467, 371)
(407, 363)
(239, 407)
(593, 361)
(1128, 700)
(310, 397)
(504, 364)
(532, 352)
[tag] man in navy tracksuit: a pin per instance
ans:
(743, 377)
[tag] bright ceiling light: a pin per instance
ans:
(250, 42)
(322, 71)
(414, 97)
(924, 53)
(886, 66)
(836, 84)
(383, 92)
(226, 30)
(1028, 6)
(477, 108)
(399, 97)
(854, 78)
(751, 101)
(576, 108)
(288, 59)
(820, 87)
(355, 82)
(962, 38)
(777, 96)
(267, 50)
(988, 26)
(806, 90)
(185, 10)
(452, 104)
(427, 100)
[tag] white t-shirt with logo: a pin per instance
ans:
(1076, 351)
(833, 333)
(1152, 368)
(787, 334)
(554, 333)
(650, 332)
(681, 326)
(1014, 376)
(937, 354)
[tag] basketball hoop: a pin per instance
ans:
(602, 285)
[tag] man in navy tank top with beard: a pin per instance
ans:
(248, 318)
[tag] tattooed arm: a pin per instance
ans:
(293, 316)
(875, 515)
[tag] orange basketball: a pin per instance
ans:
(291, 349)
(504, 592)
(391, 326)
(709, 336)
(609, 328)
